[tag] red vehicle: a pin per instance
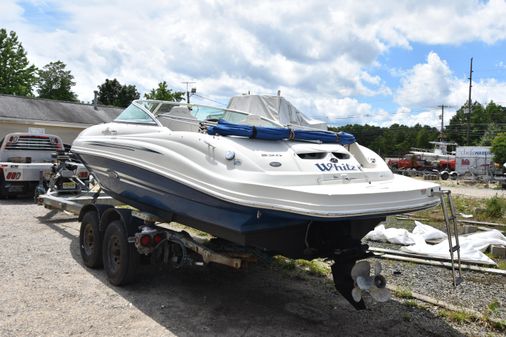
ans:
(410, 161)
(446, 165)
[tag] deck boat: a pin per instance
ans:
(248, 179)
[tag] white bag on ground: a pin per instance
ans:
(398, 236)
(428, 232)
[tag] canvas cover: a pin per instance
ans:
(274, 107)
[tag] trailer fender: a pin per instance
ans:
(100, 209)
(130, 223)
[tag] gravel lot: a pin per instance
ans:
(46, 291)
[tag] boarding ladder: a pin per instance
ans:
(451, 226)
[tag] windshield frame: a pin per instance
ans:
(157, 104)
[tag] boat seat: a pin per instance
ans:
(179, 118)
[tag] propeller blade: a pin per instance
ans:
(377, 268)
(361, 268)
(379, 294)
(365, 283)
(356, 293)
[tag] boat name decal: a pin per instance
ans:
(335, 167)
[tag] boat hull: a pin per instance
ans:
(279, 231)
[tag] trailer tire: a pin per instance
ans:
(120, 258)
(90, 240)
(445, 175)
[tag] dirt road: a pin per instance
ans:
(474, 191)
(46, 291)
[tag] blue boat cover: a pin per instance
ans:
(225, 128)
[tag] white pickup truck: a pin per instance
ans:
(24, 159)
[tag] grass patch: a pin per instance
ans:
(460, 317)
(495, 207)
(413, 304)
(499, 326)
(403, 293)
(490, 210)
(501, 264)
(314, 267)
(493, 306)
(283, 262)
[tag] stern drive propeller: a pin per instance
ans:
(364, 281)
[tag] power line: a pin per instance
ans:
(209, 99)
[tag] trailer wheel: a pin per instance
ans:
(445, 175)
(120, 257)
(90, 240)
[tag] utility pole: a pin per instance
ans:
(442, 106)
(188, 90)
(469, 102)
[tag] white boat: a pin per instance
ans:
(299, 193)
(439, 152)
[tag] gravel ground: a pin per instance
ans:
(473, 190)
(46, 291)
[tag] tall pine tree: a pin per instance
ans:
(17, 76)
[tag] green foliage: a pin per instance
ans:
(396, 140)
(457, 316)
(495, 207)
(17, 76)
(162, 93)
(314, 267)
(403, 293)
(499, 148)
(494, 306)
(111, 92)
(284, 262)
(55, 82)
(484, 122)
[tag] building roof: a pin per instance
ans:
(47, 110)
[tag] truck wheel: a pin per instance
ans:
(90, 240)
(120, 258)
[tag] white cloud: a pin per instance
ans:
(320, 54)
(427, 84)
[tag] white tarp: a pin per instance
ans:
(274, 107)
(472, 245)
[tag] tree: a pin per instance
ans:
(396, 140)
(111, 92)
(17, 76)
(163, 94)
(499, 148)
(56, 83)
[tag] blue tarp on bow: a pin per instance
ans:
(225, 128)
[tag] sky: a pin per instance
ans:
(346, 61)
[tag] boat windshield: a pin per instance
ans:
(134, 114)
(206, 113)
